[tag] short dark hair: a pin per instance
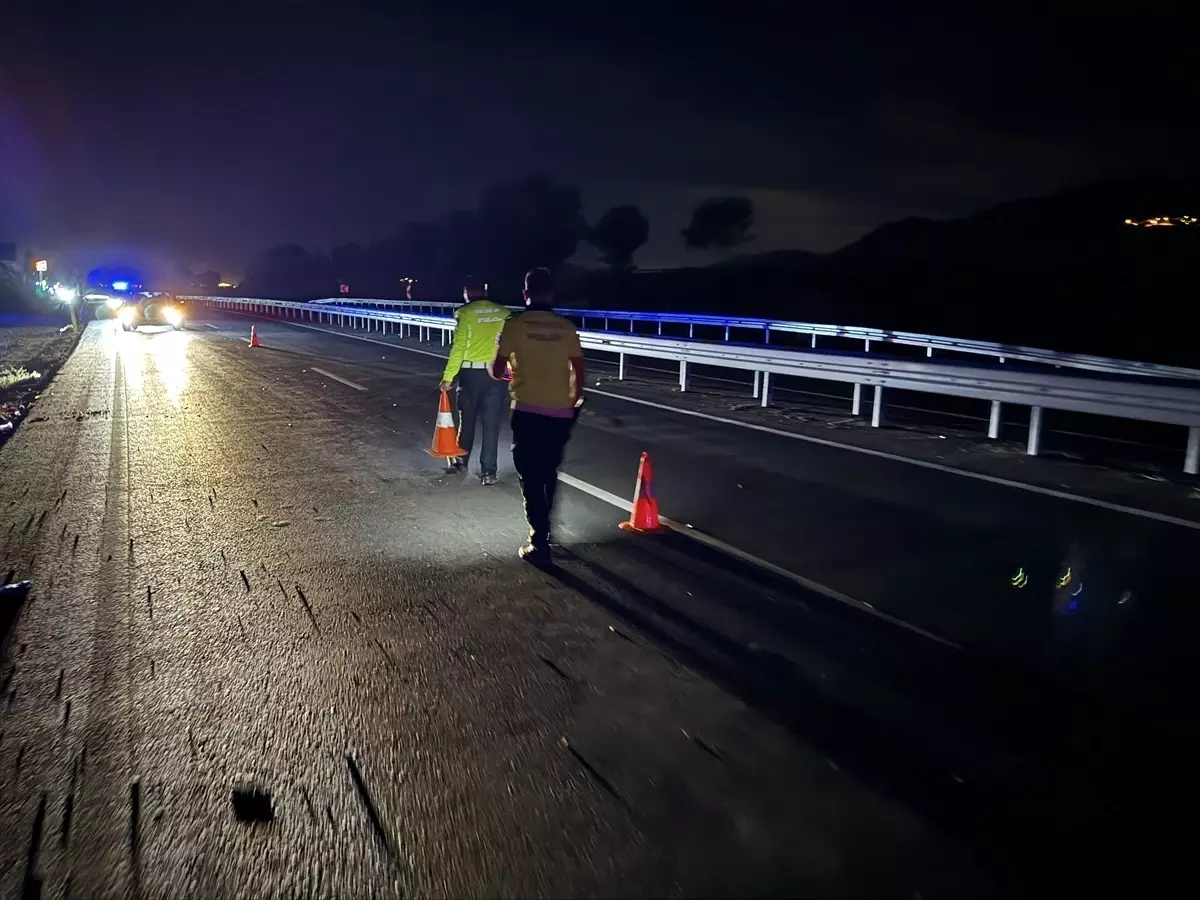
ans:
(539, 282)
(475, 284)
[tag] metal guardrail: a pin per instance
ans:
(1133, 399)
(765, 327)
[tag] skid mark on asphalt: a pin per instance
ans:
(705, 746)
(32, 883)
(135, 824)
(308, 804)
(307, 608)
(345, 381)
(556, 670)
(595, 775)
(372, 813)
(387, 656)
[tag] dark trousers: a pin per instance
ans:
(538, 445)
(481, 399)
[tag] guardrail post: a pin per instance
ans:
(766, 334)
(660, 327)
(620, 367)
(994, 420)
(877, 407)
(929, 353)
(606, 323)
(682, 375)
(1035, 431)
(813, 344)
(856, 404)
(726, 332)
(866, 345)
(443, 337)
(691, 329)
(766, 388)
(756, 377)
(1191, 460)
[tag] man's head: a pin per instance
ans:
(474, 289)
(539, 289)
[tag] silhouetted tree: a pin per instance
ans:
(420, 245)
(719, 222)
(618, 234)
(533, 221)
(291, 271)
(349, 263)
(461, 253)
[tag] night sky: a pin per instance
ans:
(206, 134)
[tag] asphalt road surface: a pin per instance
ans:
(273, 650)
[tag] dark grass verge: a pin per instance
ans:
(40, 349)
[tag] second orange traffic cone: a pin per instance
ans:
(254, 337)
(445, 441)
(644, 516)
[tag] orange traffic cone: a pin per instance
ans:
(254, 337)
(644, 516)
(445, 441)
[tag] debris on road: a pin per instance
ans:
(253, 806)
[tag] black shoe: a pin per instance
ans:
(458, 463)
(535, 554)
(488, 478)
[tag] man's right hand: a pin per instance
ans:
(446, 385)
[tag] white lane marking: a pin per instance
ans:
(346, 381)
(879, 454)
(717, 544)
(211, 325)
(924, 464)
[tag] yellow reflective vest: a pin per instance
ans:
(476, 335)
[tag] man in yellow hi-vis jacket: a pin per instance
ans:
(480, 397)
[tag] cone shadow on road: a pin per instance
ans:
(917, 749)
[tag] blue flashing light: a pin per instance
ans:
(120, 285)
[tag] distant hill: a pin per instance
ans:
(1063, 271)
(790, 259)
(1080, 224)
